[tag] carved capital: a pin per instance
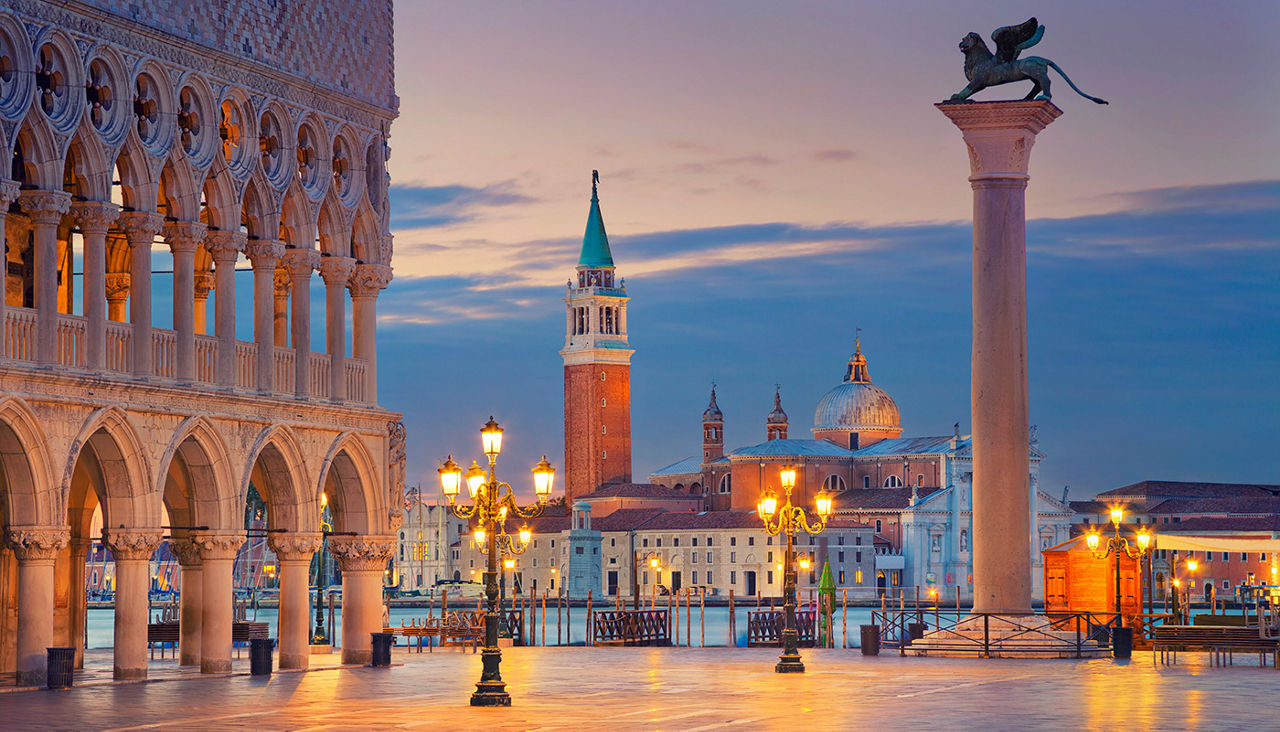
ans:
(8, 194)
(362, 553)
(140, 227)
(282, 283)
(183, 237)
(38, 542)
(264, 253)
(336, 271)
(999, 135)
(117, 286)
(44, 207)
(187, 553)
(225, 246)
(300, 262)
(94, 217)
(217, 546)
(204, 284)
(369, 279)
(294, 547)
(125, 544)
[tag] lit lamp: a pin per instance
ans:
(493, 503)
(1117, 545)
(788, 520)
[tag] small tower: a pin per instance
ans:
(776, 423)
(597, 367)
(583, 573)
(712, 431)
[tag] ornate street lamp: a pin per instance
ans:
(788, 520)
(1117, 545)
(493, 503)
(319, 637)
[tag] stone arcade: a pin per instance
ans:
(256, 139)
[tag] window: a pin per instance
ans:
(768, 541)
(841, 577)
(733, 577)
(535, 561)
(695, 541)
(751, 541)
(553, 560)
(1226, 557)
(602, 376)
(708, 557)
(1226, 585)
(733, 541)
(709, 580)
(645, 542)
(893, 481)
(840, 540)
(733, 557)
(553, 543)
(770, 559)
(1262, 557)
(693, 558)
(771, 576)
(725, 483)
(866, 481)
(603, 430)
(857, 541)
(613, 560)
(602, 401)
(1208, 556)
(857, 577)
(611, 541)
(693, 578)
(604, 454)
(878, 526)
(840, 557)
(553, 583)
(857, 557)
(646, 578)
(1244, 556)
(919, 478)
(659, 541)
(676, 541)
(833, 483)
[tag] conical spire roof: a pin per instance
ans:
(713, 414)
(595, 242)
(777, 416)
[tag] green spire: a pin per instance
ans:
(595, 243)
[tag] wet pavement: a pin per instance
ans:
(684, 689)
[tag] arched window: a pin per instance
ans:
(920, 479)
(678, 487)
(833, 483)
(725, 483)
(893, 481)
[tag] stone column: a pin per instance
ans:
(294, 552)
(94, 218)
(999, 136)
(77, 605)
(45, 210)
(365, 284)
(217, 554)
(190, 594)
(140, 227)
(280, 315)
(183, 238)
(362, 560)
(225, 248)
(264, 254)
(336, 271)
(301, 263)
(117, 296)
(132, 552)
(36, 548)
(204, 284)
(8, 194)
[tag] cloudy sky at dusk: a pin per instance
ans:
(773, 175)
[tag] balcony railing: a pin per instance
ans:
(72, 342)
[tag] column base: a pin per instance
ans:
(357, 656)
(218, 666)
(296, 660)
(32, 678)
(128, 674)
(789, 664)
(321, 648)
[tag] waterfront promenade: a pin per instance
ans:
(684, 689)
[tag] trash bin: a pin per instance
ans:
(870, 640)
(1122, 642)
(915, 631)
(61, 666)
(260, 656)
(382, 648)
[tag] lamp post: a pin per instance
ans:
(493, 502)
(1117, 545)
(319, 637)
(788, 520)
(654, 561)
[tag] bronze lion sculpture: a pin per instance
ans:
(984, 69)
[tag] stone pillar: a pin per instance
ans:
(362, 559)
(183, 238)
(45, 210)
(264, 254)
(336, 271)
(365, 284)
(132, 552)
(117, 296)
(190, 594)
(8, 194)
(225, 248)
(36, 548)
(204, 285)
(999, 136)
(94, 218)
(294, 552)
(301, 263)
(217, 554)
(280, 315)
(77, 605)
(141, 228)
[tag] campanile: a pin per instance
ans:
(597, 367)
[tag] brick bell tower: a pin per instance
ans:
(597, 367)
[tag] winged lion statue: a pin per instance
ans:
(983, 68)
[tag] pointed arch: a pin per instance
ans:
(297, 218)
(130, 496)
(87, 167)
(223, 199)
(366, 240)
(349, 477)
(195, 475)
(139, 183)
(333, 227)
(36, 160)
(26, 469)
(260, 212)
(180, 188)
(277, 468)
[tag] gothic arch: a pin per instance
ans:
(366, 240)
(26, 475)
(139, 183)
(37, 162)
(195, 476)
(297, 219)
(130, 498)
(180, 189)
(277, 468)
(333, 227)
(260, 212)
(88, 168)
(349, 478)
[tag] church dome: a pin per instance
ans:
(857, 404)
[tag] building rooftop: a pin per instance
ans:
(913, 446)
(1236, 505)
(1201, 524)
(1150, 489)
(688, 466)
(639, 490)
(798, 448)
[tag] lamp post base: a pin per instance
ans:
(789, 663)
(491, 694)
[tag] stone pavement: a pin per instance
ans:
(685, 689)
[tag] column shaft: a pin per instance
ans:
(280, 314)
(36, 549)
(364, 316)
(183, 238)
(189, 619)
(225, 248)
(94, 218)
(361, 613)
(45, 209)
(336, 271)
(77, 603)
(295, 613)
(215, 617)
(141, 229)
(301, 263)
(133, 583)
(8, 194)
(264, 255)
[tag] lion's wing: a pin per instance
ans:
(1013, 39)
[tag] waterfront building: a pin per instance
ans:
(424, 552)
(163, 152)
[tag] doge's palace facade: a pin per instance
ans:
(231, 135)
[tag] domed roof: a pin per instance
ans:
(712, 413)
(777, 416)
(857, 404)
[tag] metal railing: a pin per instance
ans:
(1084, 631)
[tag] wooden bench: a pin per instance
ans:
(1223, 642)
(169, 635)
(456, 627)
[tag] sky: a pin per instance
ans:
(773, 176)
